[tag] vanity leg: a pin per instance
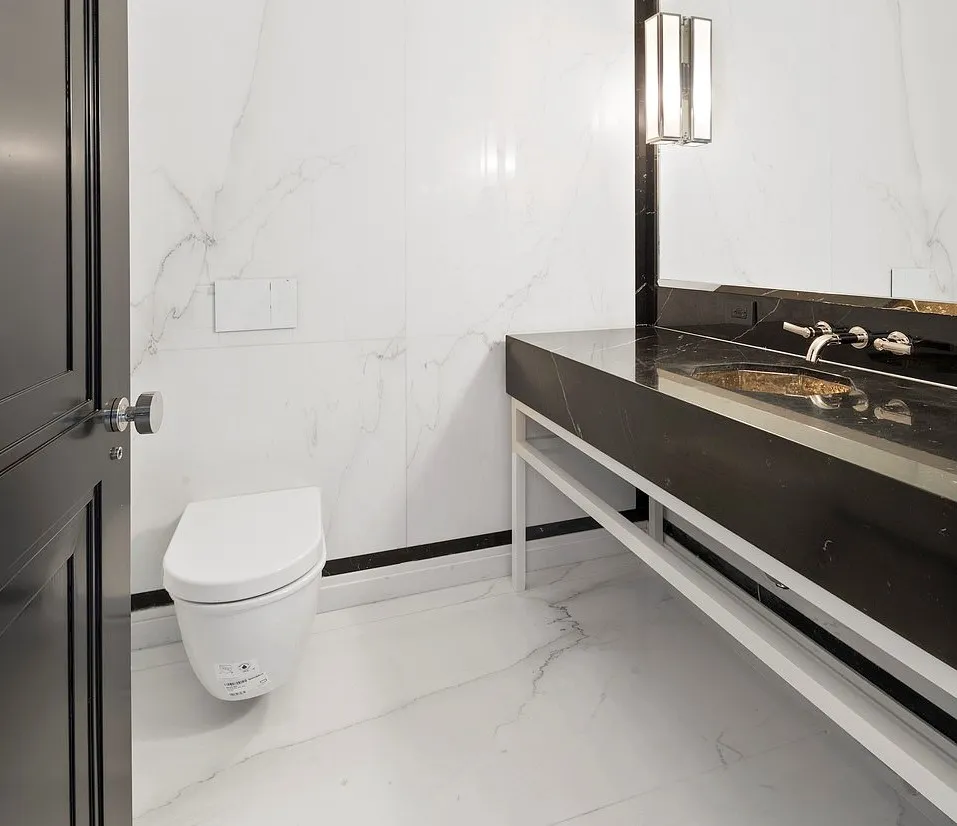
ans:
(656, 520)
(518, 501)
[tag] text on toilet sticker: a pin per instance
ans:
(242, 678)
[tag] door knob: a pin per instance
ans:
(146, 415)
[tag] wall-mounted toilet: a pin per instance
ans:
(244, 576)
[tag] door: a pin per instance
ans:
(64, 355)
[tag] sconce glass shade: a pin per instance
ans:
(699, 98)
(677, 79)
(652, 85)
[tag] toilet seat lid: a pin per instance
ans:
(224, 550)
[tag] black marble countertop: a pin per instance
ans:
(894, 426)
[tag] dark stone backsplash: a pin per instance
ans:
(751, 316)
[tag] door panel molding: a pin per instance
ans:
(52, 711)
(27, 411)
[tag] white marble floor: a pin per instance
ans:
(597, 698)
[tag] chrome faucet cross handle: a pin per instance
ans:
(819, 329)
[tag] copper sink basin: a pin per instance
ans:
(779, 381)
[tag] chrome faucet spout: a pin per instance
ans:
(856, 337)
(814, 351)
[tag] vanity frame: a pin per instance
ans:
(883, 730)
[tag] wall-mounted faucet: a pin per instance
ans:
(826, 336)
(823, 335)
(856, 337)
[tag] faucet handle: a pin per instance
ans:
(797, 329)
(897, 343)
(822, 328)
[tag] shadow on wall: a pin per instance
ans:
(458, 429)
(151, 544)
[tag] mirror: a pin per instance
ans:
(833, 168)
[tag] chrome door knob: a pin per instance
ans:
(146, 415)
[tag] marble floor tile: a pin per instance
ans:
(806, 782)
(597, 697)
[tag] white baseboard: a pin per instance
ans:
(153, 626)
(157, 626)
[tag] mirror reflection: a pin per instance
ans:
(832, 167)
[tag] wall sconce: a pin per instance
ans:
(677, 79)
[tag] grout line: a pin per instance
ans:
(219, 346)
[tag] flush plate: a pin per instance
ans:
(255, 304)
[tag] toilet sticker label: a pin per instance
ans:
(242, 679)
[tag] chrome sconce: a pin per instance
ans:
(677, 79)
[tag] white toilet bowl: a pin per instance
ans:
(244, 575)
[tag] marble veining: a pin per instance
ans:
(847, 302)
(850, 493)
(755, 316)
(425, 209)
(920, 449)
(597, 697)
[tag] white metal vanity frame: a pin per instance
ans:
(916, 755)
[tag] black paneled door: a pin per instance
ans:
(64, 355)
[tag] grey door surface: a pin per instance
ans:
(64, 355)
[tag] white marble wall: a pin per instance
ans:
(833, 157)
(434, 173)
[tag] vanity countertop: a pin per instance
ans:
(900, 428)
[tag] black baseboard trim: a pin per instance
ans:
(449, 547)
(150, 599)
(898, 691)
(431, 550)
